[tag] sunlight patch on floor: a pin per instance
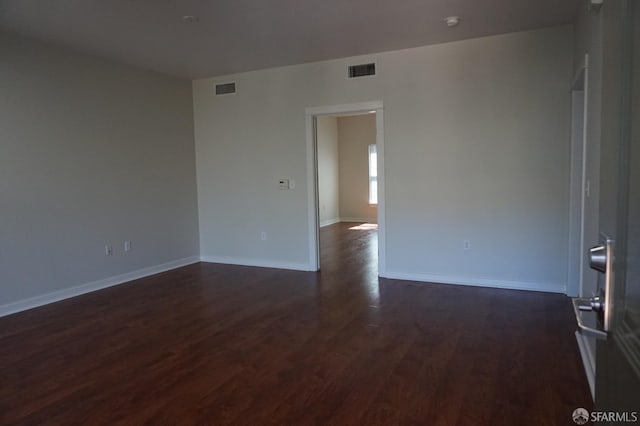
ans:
(364, 227)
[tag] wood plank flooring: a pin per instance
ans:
(216, 344)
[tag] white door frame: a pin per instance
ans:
(312, 176)
(578, 179)
(578, 211)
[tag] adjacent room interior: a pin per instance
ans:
(347, 182)
(299, 223)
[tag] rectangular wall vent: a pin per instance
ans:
(362, 70)
(226, 88)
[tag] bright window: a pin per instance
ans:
(373, 174)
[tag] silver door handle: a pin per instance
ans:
(598, 258)
(587, 304)
(601, 259)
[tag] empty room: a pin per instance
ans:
(319, 213)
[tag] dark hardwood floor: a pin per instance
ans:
(214, 345)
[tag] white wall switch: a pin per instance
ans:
(283, 184)
(127, 246)
(108, 250)
(587, 188)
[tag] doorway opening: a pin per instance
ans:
(345, 159)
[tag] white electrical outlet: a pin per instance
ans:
(263, 236)
(466, 244)
(127, 246)
(108, 250)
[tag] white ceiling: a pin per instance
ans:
(242, 35)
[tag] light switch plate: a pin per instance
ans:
(283, 184)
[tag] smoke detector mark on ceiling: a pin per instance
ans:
(452, 21)
(190, 19)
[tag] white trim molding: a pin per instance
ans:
(359, 219)
(260, 263)
(478, 282)
(328, 222)
(312, 195)
(344, 108)
(67, 293)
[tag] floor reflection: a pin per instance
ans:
(350, 250)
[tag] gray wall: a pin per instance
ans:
(476, 147)
(328, 172)
(355, 134)
(91, 153)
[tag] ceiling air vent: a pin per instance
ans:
(226, 88)
(362, 70)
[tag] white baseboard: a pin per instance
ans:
(45, 299)
(328, 222)
(588, 361)
(478, 282)
(359, 219)
(261, 263)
